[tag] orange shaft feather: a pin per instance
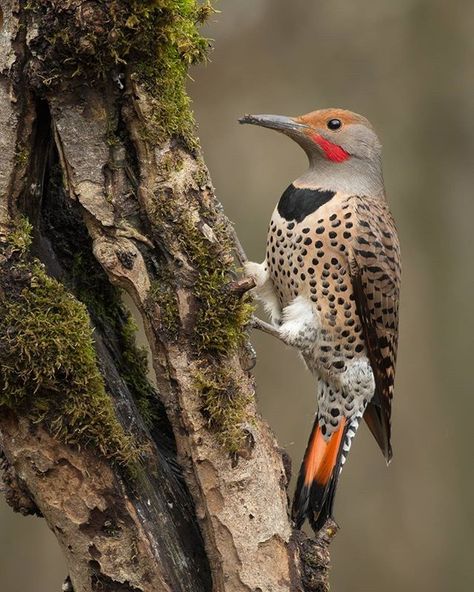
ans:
(322, 456)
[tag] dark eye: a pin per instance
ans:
(334, 124)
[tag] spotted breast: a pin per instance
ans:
(308, 254)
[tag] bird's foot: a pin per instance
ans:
(257, 323)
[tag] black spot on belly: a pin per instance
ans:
(296, 203)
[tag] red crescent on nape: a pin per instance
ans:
(332, 151)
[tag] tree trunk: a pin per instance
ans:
(103, 191)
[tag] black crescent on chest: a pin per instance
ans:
(298, 202)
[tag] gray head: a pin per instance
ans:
(343, 149)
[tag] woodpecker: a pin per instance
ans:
(330, 283)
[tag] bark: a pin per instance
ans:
(207, 508)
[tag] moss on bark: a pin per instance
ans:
(221, 317)
(104, 304)
(225, 406)
(97, 40)
(49, 364)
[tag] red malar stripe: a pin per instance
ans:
(332, 151)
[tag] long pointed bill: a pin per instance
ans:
(312, 142)
(277, 122)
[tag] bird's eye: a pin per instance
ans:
(334, 124)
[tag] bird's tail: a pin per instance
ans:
(319, 473)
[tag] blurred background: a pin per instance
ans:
(407, 66)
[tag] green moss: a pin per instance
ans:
(47, 355)
(134, 370)
(222, 316)
(49, 365)
(90, 285)
(87, 280)
(22, 156)
(224, 406)
(20, 237)
(201, 176)
(104, 303)
(163, 294)
(160, 39)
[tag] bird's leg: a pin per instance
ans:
(241, 287)
(257, 323)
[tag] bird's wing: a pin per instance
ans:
(375, 273)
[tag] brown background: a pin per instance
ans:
(407, 66)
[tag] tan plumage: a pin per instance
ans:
(331, 280)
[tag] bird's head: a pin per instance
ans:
(334, 135)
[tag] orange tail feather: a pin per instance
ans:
(318, 476)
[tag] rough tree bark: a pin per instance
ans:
(102, 190)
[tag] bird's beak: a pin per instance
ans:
(280, 123)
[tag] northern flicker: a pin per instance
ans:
(330, 282)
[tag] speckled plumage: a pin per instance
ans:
(313, 259)
(331, 281)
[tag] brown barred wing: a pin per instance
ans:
(375, 272)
